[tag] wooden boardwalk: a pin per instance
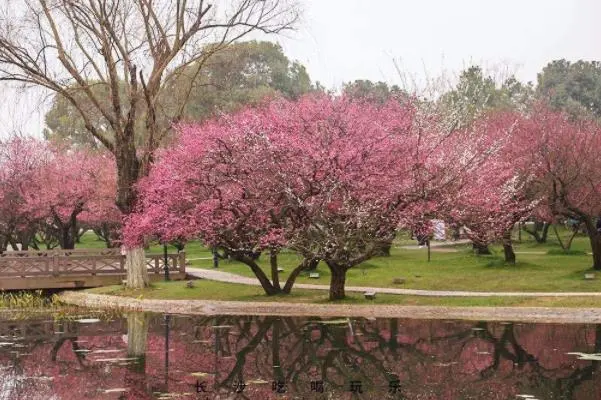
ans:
(54, 269)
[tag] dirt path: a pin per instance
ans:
(222, 276)
(206, 307)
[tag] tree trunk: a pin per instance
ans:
(543, 238)
(67, 231)
(80, 232)
(273, 262)
(508, 248)
(135, 265)
(595, 240)
(480, 248)
(304, 266)
(565, 247)
(137, 339)
(337, 281)
(393, 344)
(105, 232)
(313, 265)
(278, 373)
(129, 170)
(384, 249)
(269, 289)
(66, 240)
(385, 245)
(595, 364)
(26, 238)
(543, 227)
(596, 248)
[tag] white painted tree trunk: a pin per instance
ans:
(137, 333)
(137, 339)
(135, 264)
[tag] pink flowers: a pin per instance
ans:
(327, 177)
(55, 187)
(333, 179)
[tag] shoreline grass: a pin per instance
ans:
(540, 268)
(211, 290)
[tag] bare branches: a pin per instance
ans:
(68, 46)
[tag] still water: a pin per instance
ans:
(149, 356)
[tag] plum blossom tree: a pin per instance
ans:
(101, 213)
(211, 184)
(568, 168)
(20, 159)
(493, 194)
(328, 177)
(71, 182)
(129, 53)
(353, 173)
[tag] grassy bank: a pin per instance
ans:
(540, 267)
(209, 290)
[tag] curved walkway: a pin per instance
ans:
(222, 276)
(210, 307)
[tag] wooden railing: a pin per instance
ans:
(50, 329)
(80, 262)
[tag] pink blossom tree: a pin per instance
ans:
(354, 172)
(101, 214)
(20, 160)
(492, 195)
(213, 184)
(70, 183)
(329, 178)
(567, 168)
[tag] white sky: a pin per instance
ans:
(344, 40)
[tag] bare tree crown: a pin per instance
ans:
(124, 51)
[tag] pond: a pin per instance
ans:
(149, 356)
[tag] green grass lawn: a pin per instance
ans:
(208, 290)
(536, 269)
(461, 270)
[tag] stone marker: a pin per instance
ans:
(589, 276)
(398, 281)
(370, 295)
(314, 275)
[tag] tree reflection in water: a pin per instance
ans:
(143, 357)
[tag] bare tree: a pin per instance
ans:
(120, 55)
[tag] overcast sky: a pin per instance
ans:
(343, 40)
